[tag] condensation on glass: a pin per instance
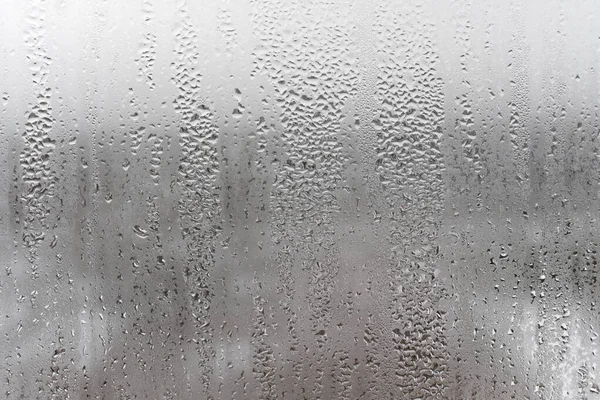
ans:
(284, 199)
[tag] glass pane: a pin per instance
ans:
(283, 199)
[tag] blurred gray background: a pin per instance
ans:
(284, 199)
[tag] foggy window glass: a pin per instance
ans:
(285, 199)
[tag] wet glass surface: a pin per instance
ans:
(284, 199)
